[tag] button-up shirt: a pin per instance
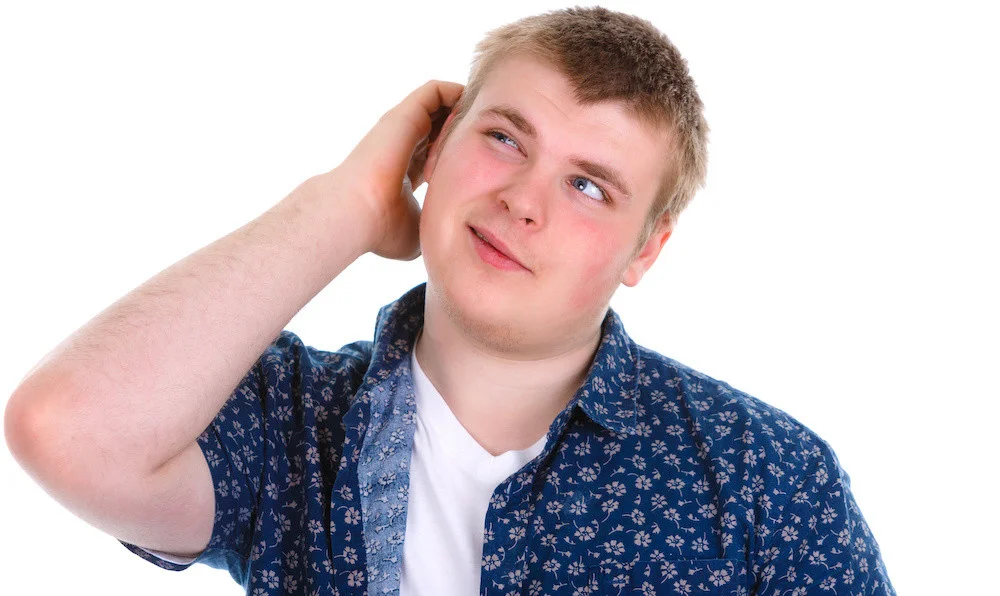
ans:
(655, 478)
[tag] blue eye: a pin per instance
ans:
(496, 134)
(587, 187)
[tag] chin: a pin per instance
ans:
(495, 321)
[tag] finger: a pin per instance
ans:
(438, 119)
(415, 171)
(425, 103)
(433, 95)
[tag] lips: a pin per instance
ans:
(492, 250)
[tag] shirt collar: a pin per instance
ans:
(607, 396)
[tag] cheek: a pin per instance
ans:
(469, 168)
(453, 181)
(599, 265)
(465, 172)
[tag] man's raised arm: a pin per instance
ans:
(108, 421)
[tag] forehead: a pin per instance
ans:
(605, 132)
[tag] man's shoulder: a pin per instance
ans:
(288, 347)
(720, 419)
(288, 357)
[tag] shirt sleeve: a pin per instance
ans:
(253, 428)
(821, 543)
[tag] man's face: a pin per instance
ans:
(534, 210)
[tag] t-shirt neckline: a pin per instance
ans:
(438, 418)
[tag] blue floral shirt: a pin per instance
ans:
(654, 479)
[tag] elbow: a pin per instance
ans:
(60, 436)
(31, 432)
(47, 444)
(43, 431)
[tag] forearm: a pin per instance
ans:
(133, 387)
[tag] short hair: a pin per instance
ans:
(608, 55)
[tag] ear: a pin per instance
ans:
(435, 148)
(648, 252)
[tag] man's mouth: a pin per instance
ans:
(492, 250)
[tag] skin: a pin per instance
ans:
(107, 423)
(508, 348)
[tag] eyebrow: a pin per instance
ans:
(591, 168)
(604, 173)
(514, 117)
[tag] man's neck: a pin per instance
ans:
(505, 403)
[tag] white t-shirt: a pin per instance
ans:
(452, 479)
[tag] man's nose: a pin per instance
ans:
(527, 197)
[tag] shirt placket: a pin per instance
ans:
(512, 513)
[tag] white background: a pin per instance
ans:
(841, 263)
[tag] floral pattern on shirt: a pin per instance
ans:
(655, 479)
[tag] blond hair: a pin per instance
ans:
(611, 56)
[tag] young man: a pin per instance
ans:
(502, 434)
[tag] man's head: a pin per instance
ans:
(611, 56)
(558, 177)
